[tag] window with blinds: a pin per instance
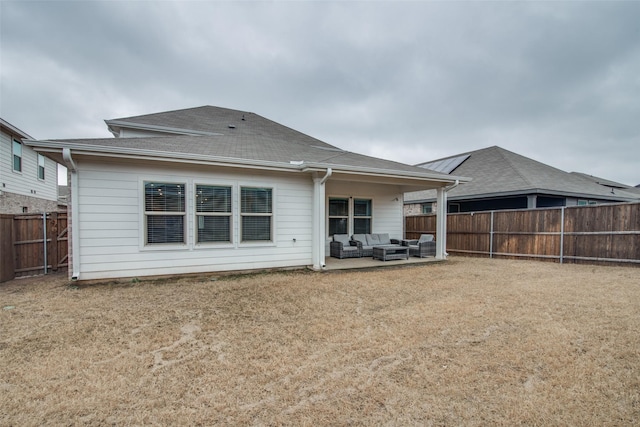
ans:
(361, 216)
(213, 213)
(40, 166)
(338, 215)
(164, 209)
(17, 156)
(349, 216)
(256, 213)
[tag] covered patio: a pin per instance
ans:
(332, 264)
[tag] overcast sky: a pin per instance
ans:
(408, 81)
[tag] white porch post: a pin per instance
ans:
(318, 222)
(441, 223)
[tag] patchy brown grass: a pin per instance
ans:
(470, 341)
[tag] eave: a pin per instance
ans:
(410, 181)
(524, 193)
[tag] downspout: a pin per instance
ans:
(75, 224)
(319, 220)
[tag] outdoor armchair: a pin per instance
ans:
(341, 247)
(423, 247)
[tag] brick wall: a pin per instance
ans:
(11, 203)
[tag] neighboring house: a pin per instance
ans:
(28, 180)
(212, 189)
(506, 180)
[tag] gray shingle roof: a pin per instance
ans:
(241, 147)
(235, 136)
(218, 121)
(496, 171)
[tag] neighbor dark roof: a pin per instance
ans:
(498, 172)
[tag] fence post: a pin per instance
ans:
(44, 236)
(491, 237)
(53, 232)
(562, 234)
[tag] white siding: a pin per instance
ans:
(26, 183)
(111, 222)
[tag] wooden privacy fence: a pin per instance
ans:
(593, 234)
(32, 244)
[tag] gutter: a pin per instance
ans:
(140, 153)
(75, 232)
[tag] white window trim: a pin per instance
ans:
(353, 212)
(44, 167)
(273, 215)
(233, 215)
(143, 245)
(190, 215)
(350, 216)
(13, 139)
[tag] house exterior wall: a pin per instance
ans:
(25, 189)
(387, 205)
(112, 223)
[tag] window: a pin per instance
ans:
(349, 217)
(213, 213)
(427, 208)
(164, 209)
(338, 216)
(17, 156)
(256, 214)
(40, 166)
(361, 216)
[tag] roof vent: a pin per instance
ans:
(243, 117)
(232, 126)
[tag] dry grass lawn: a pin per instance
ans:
(467, 342)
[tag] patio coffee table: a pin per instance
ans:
(390, 252)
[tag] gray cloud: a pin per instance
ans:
(407, 81)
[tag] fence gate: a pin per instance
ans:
(33, 244)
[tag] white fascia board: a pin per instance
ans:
(142, 154)
(14, 130)
(142, 126)
(389, 173)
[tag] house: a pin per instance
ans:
(28, 180)
(212, 189)
(506, 180)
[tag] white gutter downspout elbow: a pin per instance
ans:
(68, 160)
(452, 186)
(75, 224)
(326, 177)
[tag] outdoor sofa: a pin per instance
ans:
(366, 242)
(423, 247)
